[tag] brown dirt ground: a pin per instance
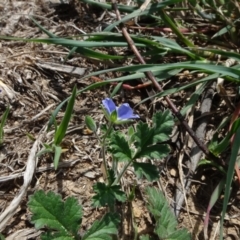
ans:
(33, 90)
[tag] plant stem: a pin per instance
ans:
(103, 143)
(122, 172)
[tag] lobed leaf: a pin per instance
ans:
(107, 195)
(158, 151)
(120, 148)
(143, 135)
(149, 170)
(103, 229)
(166, 223)
(49, 210)
(162, 124)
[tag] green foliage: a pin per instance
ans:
(3, 121)
(233, 160)
(60, 131)
(49, 210)
(90, 123)
(120, 148)
(149, 170)
(107, 195)
(63, 219)
(103, 229)
(166, 223)
(148, 139)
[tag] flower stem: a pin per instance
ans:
(121, 173)
(103, 142)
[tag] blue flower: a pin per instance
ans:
(118, 115)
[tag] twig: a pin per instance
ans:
(150, 76)
(27, 178)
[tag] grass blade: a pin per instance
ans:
(61, 131)
(230, 172)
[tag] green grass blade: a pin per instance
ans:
(61, 131)
(193, 99)
(230, 172)
(155, 7)
(3, 122)
(214, 197)
(174, 28)
(116, 89)
(84, 51)
(57, 155)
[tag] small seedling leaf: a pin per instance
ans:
(49, 210)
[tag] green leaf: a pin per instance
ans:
(107, 195)
(90, 123)
(49, 210)
(2, 237)
(163, 124)
(230, 172)
(143, 136)
(149, 170)
(57, 155)
(158, 151)
(3, 121)
(61, 131)
(103, 229)
(144, 237)
(43, 151)
(166, 223)
(131, 133)
(55, 236)
(120, 148)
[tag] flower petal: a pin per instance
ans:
(109, 105)
(125, 112)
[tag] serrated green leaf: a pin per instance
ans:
(144, 237)
(163, 124)
(149, 170)
(55, 236)
(143, 136)
(102, 230)
(107, 195)
(166, 223)
(49, 210)
(158, 151)
(120, 148)
(90, 123)
(180, 234)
